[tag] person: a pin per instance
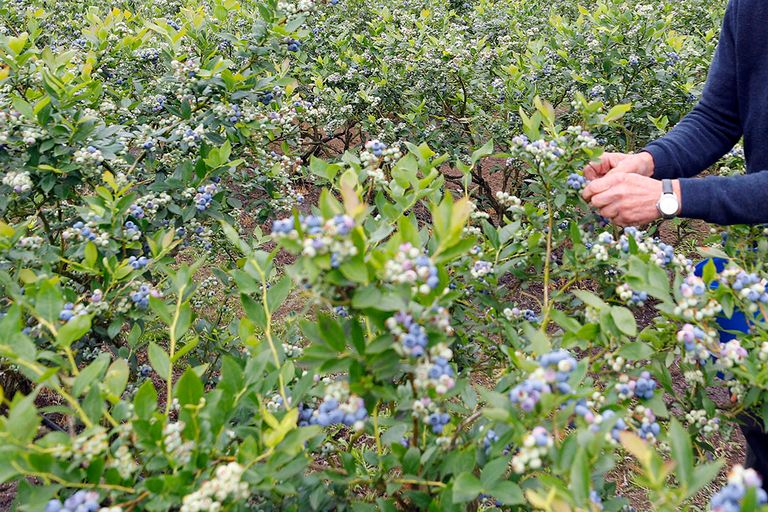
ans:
(659, 180)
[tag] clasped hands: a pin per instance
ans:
(621, 188)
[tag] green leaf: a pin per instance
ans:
(509, 493)
(117, 377)
(23, 420)
(493, 471)
(580, 477)
(145, 401)
(73, 330)
(617, 112)
(636, 351)
(48, 301)
(624, 320)
(466, 487)
(159, 360)
(682, 453)
(90, 374)
(189, 388)
(278, 292)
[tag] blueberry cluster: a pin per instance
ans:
(438, 420)
(694, 303)
(69, 311)
(338, 407)
(84, 230)
(81, 501)
(535, 447)
(141, 296)
(131, 230)
(204, 196)
(293, 44)
(731, 354)
(442, 373)
(411, 266)
(642, 387)
(740, 481)
(490, 437)
(138, 263)
(411, 336)
(576, 181)
(630, 296)
(526, 314)
(551, 376)
(135, 211)
(649, 427)
(619, 426)
(750, 287)
(481, 269)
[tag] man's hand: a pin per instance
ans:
(640, 163)
(627, 198)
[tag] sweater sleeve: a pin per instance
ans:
(713, 127)
(726, 200)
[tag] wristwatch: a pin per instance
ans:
(668, 204)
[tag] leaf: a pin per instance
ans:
(494, 471)
(117, 377)
(580, 477)
(159, 360)
(617, 112)
(509, 493)
(145, 401)
(466, 487)
(624, 320)
(90, 374)
(590, 299)
(682, 453)
(189, 388)
(73, 330)
(48, 301)
(23, 420)
(636, 351)
(278, 292)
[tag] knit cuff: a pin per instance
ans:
(663, 167)
(696, 198)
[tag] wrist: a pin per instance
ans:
(647, 165)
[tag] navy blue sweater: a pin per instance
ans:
(734, 103)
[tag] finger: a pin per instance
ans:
(600, 185)
(603, 199)
(610, 212)
(598, 168)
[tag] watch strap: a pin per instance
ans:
(666, 186)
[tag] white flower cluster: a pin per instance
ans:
(535, 447)
(698, 418)
(226, 484)
(20, 182)
(178, 450)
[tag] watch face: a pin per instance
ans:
(668, 204)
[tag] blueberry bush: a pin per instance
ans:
(310, 255)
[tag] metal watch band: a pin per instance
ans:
(666, 186)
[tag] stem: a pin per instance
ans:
(268, 331)
(172, 349)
